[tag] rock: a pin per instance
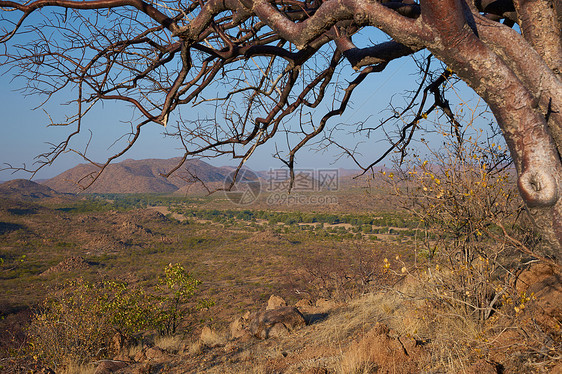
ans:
(313, 313)
(325, 304)
(275, 302)
(532, 276)
(123, 356)
(238, 328)
(261, 323)
(378, 348)
(278, 330)
(304, 303)
(152, 354)
(109, 366)
(157, 354)
(140, 356)
(142, 369)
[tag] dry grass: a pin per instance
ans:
(394, 307)
(133, 350)
(76, 368)
(212, 338)
(194, 348)
(169, 343)
(355, 362)
(446, 337)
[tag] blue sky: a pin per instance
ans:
(25, 133)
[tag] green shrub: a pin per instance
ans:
(76, 323)
(178, 288)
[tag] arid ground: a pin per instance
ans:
(341, 288)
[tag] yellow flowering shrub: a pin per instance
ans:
(470, 222)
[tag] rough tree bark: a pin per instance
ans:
(517, 73)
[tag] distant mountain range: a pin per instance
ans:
(136, 176)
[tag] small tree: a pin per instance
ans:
(178, 288)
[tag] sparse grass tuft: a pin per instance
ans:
(355, 362)
(77, 368)
(170, 343)
(194, 348)
(212, 338)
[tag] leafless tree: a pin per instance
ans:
(266, 62)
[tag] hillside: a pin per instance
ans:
(357, 302)
(23, 189)
(136, 176)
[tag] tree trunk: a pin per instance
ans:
(530, 115)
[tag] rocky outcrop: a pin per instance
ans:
(109, 366)
(277, 320)
(70, 264)
(380, 348)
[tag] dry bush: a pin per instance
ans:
(77, 322)
(471, 232)
(473, 239)
(342, 272)
(169, 343)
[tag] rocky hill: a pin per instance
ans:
(23, 189)
(144, 176)
(137, 176)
